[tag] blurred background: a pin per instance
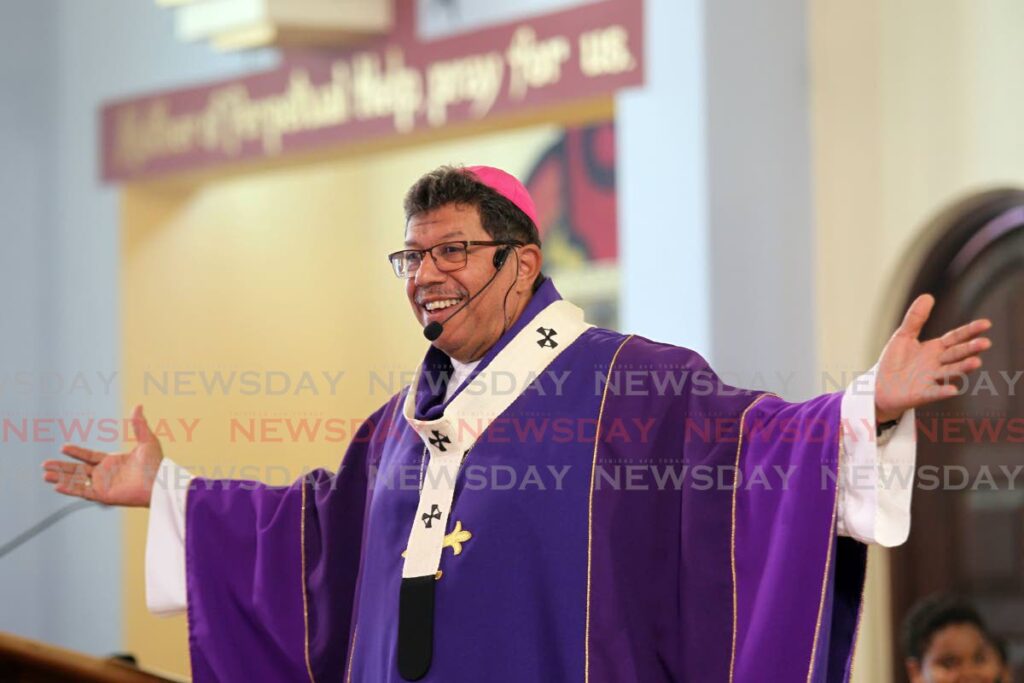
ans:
(193, 192)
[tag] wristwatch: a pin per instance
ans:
(884, 427)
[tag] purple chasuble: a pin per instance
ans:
(627, 518)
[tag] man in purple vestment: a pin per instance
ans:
(615, 513)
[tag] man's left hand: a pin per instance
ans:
(912, 373)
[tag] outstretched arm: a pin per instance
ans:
(129, 479)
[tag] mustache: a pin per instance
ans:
(423, 295)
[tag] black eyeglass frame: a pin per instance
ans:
(395, 257)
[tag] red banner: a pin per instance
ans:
(392, 87)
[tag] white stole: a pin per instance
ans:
(448, 438)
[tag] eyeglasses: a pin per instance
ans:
(448, 256)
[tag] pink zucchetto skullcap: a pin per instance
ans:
(508, 186)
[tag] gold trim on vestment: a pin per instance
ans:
(305, 600)
(732, 537)
(359, 575)
(864, 581)
(590, 513)
(184, 543)
(351, 652)
(828, 556)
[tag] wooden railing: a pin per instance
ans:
(27, 661)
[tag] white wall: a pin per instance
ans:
(61, 59)
(759, 194)
(28, 67)
(715, 190)
(664, 240)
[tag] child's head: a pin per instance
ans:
(946, 640)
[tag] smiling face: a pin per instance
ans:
(958, 653)
(434, 295)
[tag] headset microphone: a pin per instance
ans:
(500, 256)
(435, 329)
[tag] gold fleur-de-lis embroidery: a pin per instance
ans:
(455, 539)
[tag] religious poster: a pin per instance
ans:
(573, 184)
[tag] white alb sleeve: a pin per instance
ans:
(876, 476)
(165, 541)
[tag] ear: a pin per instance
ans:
(529, 263)
(913, 670)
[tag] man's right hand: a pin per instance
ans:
(110, 478)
